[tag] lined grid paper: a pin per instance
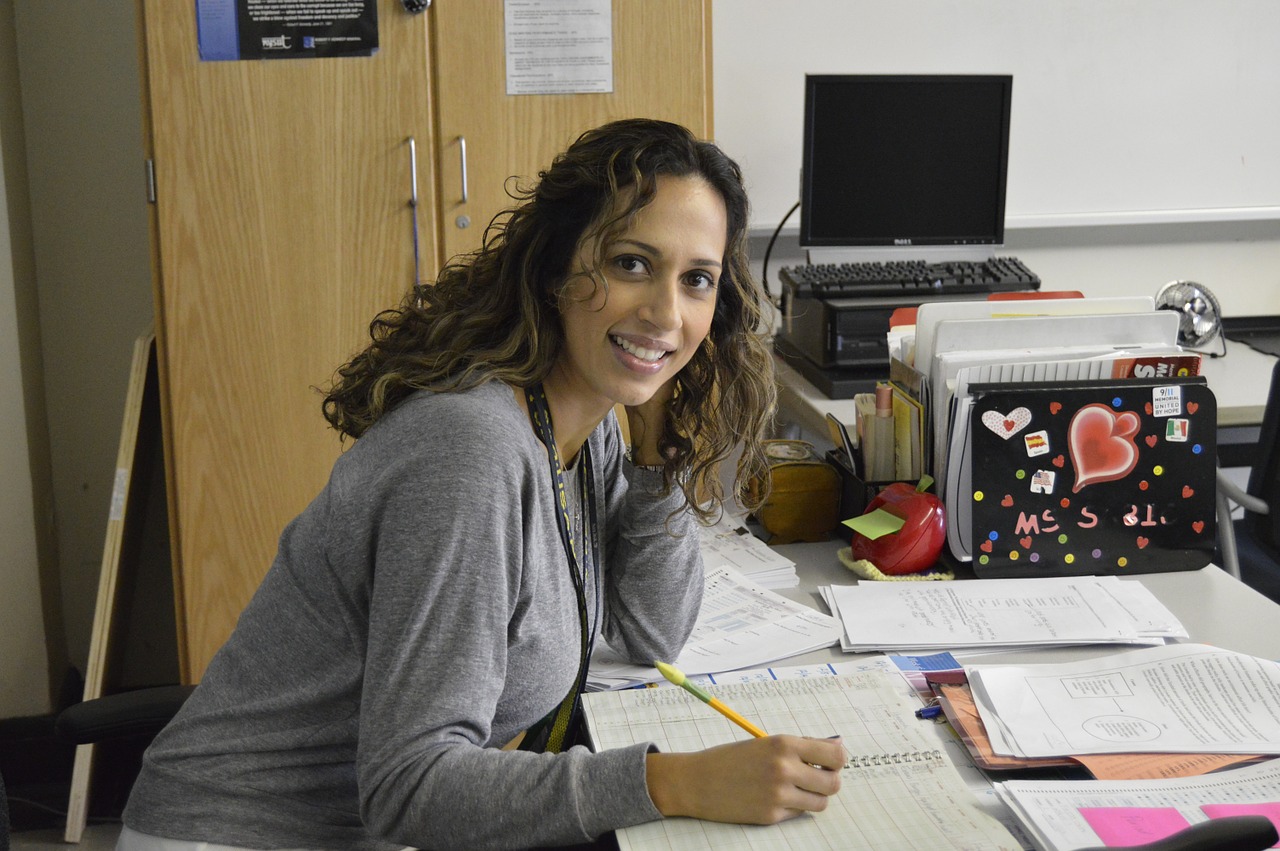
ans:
(898, 790)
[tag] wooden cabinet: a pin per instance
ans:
(662, 69)
(282, 225)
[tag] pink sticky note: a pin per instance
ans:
(1271, 810)
(1120, 827)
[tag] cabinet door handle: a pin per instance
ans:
(462, 157)
(413, 205)
(413, 172)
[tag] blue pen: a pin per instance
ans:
(932, 711)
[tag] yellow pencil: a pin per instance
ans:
(677, 677)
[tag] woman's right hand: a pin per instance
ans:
(759, 781)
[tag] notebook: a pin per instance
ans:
(898, 789)
(1081, 478)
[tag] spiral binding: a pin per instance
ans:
(879, 760)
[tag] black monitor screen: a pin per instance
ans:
(904, 160)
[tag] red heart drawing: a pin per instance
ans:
(1151, 440)
(1198, 526)
(1054, 407)
(1149, 409)
(985, 546)
(1059, 461)
(1142, 542)
(1192, 407)
(1007, 501)
(1026, 542)
(1101, 445)
(1187, 492)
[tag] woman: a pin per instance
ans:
(408, 670)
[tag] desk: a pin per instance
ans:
(1239, 380)
(1215, 608)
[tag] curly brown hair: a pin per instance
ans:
(494, 315)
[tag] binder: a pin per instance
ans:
(1092, 477)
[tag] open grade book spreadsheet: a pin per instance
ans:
(898, 790)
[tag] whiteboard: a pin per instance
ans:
(1124, 111)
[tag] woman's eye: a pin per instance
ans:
(702, 281)
(631, 264)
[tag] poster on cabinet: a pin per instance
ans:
(558, 46)
(286, 29)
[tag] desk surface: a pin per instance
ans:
(1239, 380)
(1214, 607)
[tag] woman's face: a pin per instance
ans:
(624, 343)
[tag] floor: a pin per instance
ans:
(97, 837)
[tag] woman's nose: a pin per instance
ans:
(662, 305)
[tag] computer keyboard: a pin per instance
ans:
(909, 278)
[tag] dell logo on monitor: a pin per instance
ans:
(902, 242)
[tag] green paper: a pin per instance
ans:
(875, 524)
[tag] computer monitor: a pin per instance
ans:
(904, 160)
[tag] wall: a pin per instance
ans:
(81, 116)
(32, 644)
(1147, 116)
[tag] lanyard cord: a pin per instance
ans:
(540, 413)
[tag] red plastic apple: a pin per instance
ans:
(914, 547)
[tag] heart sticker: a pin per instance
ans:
(1101, 444)
(1198, 526)
(1006, 425)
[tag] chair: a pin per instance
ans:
(1257, 536)
(130, 713)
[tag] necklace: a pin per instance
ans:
(540, 414)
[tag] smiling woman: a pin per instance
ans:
(409, 671)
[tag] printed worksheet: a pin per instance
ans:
(1181, 698)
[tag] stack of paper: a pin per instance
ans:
(999, 613)
(1184, 698)
(730, 543)
(1064, 814)
(741, 625)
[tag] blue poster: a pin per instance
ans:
(285, 29)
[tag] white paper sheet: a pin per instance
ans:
(999, 613)
(741, 625)
(1181, 698)
(1050, 809)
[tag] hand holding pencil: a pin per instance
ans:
(762, 780)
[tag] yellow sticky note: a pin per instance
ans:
(875, 524)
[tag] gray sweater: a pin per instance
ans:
(420, 614)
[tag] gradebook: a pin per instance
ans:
(899, 788)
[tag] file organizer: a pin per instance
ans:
(1084, 478)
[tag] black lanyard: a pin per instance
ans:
(540, 413)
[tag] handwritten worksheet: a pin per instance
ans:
(898, 790)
